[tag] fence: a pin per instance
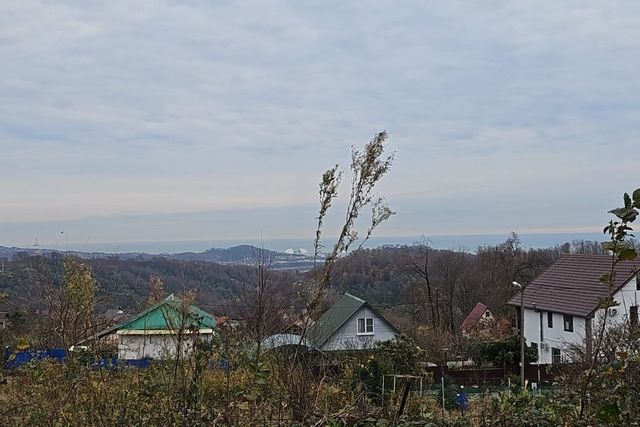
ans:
(540, 374)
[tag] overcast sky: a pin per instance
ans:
(177, 120)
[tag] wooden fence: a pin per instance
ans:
(540, 374)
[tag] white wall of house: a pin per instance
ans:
(627, 297)
(557, 337)
(153, 346)
(347, 337)
(547, 338)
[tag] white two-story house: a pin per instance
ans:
(562, 305)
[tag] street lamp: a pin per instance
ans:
(521, 287)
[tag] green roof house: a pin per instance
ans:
(350, 324)
(156, 332)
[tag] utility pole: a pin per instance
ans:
(518, 285)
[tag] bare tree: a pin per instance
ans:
(263, 300)
(418, 260)
(156, 290)
(450, 272)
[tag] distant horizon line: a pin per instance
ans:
(530, 239)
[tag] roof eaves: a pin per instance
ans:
(615, 291)
(396, 330)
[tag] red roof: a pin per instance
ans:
(572, 284)
(473, 317)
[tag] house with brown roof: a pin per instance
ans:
(478, 319)
(562, 304)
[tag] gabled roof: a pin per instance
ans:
(572, 284)
(334, 318)
(166, 315)
(112, 316)
(473, 317)
(285, 340)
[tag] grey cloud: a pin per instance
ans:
(479, 97)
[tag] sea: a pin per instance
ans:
(458, 242)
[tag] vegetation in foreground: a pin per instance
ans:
(220, 384)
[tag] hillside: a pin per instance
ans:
(386, 277)
(124, 282)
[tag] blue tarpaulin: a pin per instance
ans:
(19, 358)
(13, 360)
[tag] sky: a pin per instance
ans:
(129, 121)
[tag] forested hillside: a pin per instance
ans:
(125, 283)
(412, 283)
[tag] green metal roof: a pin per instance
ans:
(166, 315)
(333, 319)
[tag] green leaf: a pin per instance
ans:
(631, 215)
(617, 211)
(627, 201)
(636, 197)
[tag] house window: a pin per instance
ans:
(550, 319)
(365, 326)
(568, 323)
(556, 355)
(638, 281)
(487, 313)
(633, 316)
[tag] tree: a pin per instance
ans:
(262, 307)
(501, 353)
(71, 305)
(368, 167)
(450, 271)
(422, 293)
(156, 290)
(621, 248)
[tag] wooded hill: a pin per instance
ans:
(398, 280)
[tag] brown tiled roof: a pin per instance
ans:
(473, 317)
(572, 284)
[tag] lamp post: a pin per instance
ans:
(521, 287)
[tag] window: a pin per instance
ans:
(633, 316)
(568, 323)
(487, 313)
(638, 281)
(550, 319)
(365, 326)
(556, 355)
